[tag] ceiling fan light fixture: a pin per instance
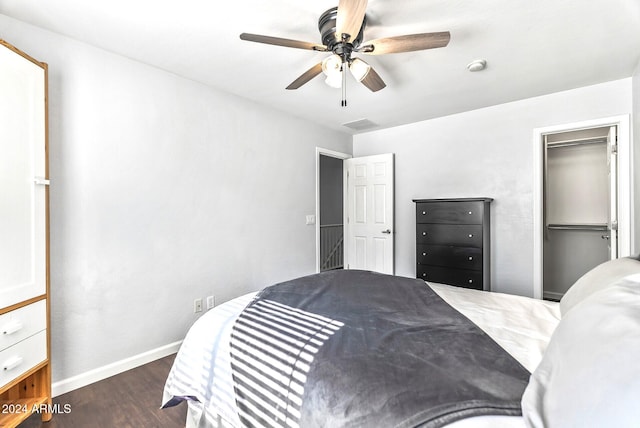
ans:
(342, 31)
(359, 69)
(334, 80)
(332, 68)
(332, 65)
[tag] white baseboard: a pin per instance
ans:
(100, 373)
(552, 295)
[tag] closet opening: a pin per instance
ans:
(579, 205)
(577, 230)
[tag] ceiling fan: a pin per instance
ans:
(342, 29)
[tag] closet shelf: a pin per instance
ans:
(579, 142)
(596, 227)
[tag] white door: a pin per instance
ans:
(22, 179)
(369, 213)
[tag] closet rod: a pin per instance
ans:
(569, 143)
(596, 227)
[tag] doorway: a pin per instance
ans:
(582, 201)
(329, 209)
(354, 212)
(579, 204)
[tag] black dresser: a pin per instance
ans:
(453, 241)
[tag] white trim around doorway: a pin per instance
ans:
(625, 190)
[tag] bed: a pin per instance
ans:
(355, 348)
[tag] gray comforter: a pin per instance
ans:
(360, 349)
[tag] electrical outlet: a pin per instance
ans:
(211, 302)
(197, 306)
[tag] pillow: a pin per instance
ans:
(597, 278)
(589, 375)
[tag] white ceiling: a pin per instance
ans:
(532, 47)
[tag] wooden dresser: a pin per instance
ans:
(25, 374)
(453, 241)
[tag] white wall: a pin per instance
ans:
(486, 152)
(162, 190)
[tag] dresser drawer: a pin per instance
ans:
(468, 212)
(449, 256)
(19, 358)
(452, 276)
(466, 235)
(21, 323)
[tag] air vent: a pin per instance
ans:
(360, 124)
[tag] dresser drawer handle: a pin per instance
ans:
(12, 363)
(424, 233)
(470, 213)
(12, 327)
(424, 254)
(424, 213)
(470, 235)
(424, 275)
(471, 281)
(470, 258)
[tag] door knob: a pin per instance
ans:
(605, 236)
(388, 231)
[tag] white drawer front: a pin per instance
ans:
(22, 323)
(22, 356)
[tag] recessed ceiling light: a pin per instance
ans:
(477, 65)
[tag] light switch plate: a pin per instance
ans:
(211, 302)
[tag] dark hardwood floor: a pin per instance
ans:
(129, 399)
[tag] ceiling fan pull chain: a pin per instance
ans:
(344, 84)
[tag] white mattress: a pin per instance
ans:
(522, 326)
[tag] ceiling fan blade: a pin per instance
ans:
(350, 17)
(282, 42)
(373, 81)
(306, 76)
(407, 43)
